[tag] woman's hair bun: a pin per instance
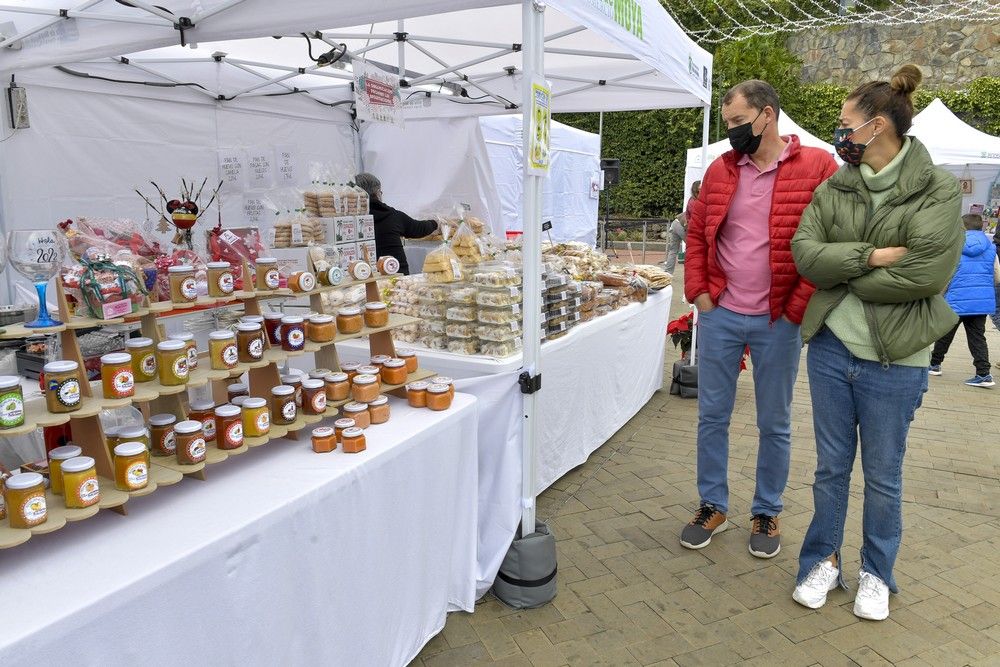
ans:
(906, 79)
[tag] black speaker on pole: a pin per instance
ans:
(612, 170)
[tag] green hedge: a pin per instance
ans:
(651, 144)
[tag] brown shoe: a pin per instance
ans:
(707, 522)
(765, 536)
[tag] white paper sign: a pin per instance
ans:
(254, 210)
(376, 94)
(284, 166)
(259, 170)
(232, 168)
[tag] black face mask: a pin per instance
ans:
(742, 138)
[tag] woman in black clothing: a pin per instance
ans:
(392, 226)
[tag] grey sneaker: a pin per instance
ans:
(765, 536)
(707, 522)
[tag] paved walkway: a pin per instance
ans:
(629, 594)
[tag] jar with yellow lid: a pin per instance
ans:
(143, 354)
(256, 417)
(229, 427)
(249, 342)
(313, 397)
(56, 458)
(350, 321)
(338, 387)
(204, 411)
(190, 442)
(80, 485)
(183, 287)
(116, 375)
(11, 402)
(222, 350)
(272, 327)
(342, 425)
(295, 382)
(236, 389)
(190, 346)
(62, 386)
(221, 281)
(293, 333)
(376, 315)
(131, 466)
(172, 362)
(438, 397)
(24, 495)
(352, 441)
(324, 440)
(416, 394)
(410, 357)
(162, 439)
(268, 277)
(283, 407)
(394, 371)
(378, 410)
(359, 413)
(365, 388)
(321, 329)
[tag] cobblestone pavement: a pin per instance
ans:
(629, 594)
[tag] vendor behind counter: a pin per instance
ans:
(392, 226)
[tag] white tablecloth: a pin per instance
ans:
(282, 556)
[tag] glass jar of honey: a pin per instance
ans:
(249, 342)
(378, 410)
(446, 381)
(272, 327)
(438, 397)
(268, 277)
(338, 387)
(342, 425)
(204, 411)
(190, 442)
(359, 413)
(62, 386)
(229, 427)
(190, 347)
(143, 354)
(302, 281)
(24, 495)
(183, 287)
(324, 440)
(222, 350)
(313, 397)
(116, 375)
(56, 458)
(331, 277)
(394, 371)
(172, 363)
(410, 357)
(351, 368)
(376, 315)
(256, 417)
(80, 486)
(236, 389)
(293, 333)
(321, 329)
(416, 394)
(352, 441)
(131, 466)
(221, 281)
(371, 370)
(365, 388)
(283, 407)
(295, 382)
(349, 320)
(161, 438)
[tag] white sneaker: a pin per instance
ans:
(872, 600)
(822, 579)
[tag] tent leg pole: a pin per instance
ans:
(706, 122)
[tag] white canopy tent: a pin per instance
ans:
(960, 149)
(693, 170)
(597, 55)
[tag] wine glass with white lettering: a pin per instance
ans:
(37, 255)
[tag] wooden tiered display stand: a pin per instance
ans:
(153, 398)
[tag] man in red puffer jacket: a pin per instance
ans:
(740, 275)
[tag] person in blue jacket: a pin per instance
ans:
(971, 295)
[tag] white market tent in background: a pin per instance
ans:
(960, 149)
(786, 126)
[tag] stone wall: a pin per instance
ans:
(950, 53)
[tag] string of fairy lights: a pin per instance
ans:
(742, 19)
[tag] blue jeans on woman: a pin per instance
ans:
(853, 397)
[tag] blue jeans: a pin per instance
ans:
(774, 351)
(853, 397)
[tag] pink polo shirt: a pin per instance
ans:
(744, 242)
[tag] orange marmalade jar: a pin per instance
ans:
(117, 376)
(438, 397)
(394, 371)
(416, 394)
(324, 440)
(131, 466)
(349, 320)
(365, 388)
(338, 387)
(321, 329)
(410, 357)
(341, 425)
(378, 410)
(352, 440)
(359, 413)
(24, 495)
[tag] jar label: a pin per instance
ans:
(181, 367)
(196, 449)
(33, 510)
(272, 278)
(148, 364)
(226, 282)
(192, 354)
(208, 428)
(68, 392)
(169, 442)
(319, 401)
(189, 289)
(296, 338)
(11, 409)
(256, 348)
(234, 434)
(123, 383)
(230, 355)
(89, 491)
(288, 411)
(263, 421)
(137, 475)
(277, 335)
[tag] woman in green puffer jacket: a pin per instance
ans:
(880, 240)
